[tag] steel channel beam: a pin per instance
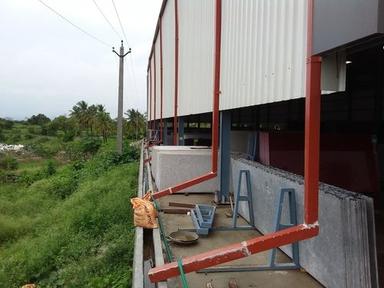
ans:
(225, 155)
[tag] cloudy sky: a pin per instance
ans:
(46, 65)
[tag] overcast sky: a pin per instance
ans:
(47, 66)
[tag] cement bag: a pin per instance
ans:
(144, 212)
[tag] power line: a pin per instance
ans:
(106, 19)
(132, 68)
(121, 25)
(74, 25)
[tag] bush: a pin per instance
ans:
(90, 145)
(50, 168)
(8, 162)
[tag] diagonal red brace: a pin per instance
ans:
(186, 184)
(235, 251)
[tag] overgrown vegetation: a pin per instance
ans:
(65, 215)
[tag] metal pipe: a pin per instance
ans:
(215, 117)
(287, 236)
(175, 134)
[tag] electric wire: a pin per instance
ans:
(131, 67)
(121, 25)
(106, 19)
(74, 25)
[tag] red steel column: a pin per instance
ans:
(154, 85)
(150, 94)
(216, 100)
(161, 79)
(215, 117)
(300, 232)
(175, 124)
(312, 126)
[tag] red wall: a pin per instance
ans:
(346, 160)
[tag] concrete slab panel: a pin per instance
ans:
(175, 164)
(340, 255)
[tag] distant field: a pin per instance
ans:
(72, 228)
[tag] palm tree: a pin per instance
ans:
(80, 113)
(103, 122)
(136, 121)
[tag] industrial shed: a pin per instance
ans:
(239, 79)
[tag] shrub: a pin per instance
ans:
(50, 168)
(90, 145)
(8, 162)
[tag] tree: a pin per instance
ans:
(81, 114)
(103, 122)
(39, 119)
(136, 123)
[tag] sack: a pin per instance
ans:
(144, 212)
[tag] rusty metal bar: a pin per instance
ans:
(181, 186)
(234, 251)
(215, 115)
(161, 79)
(175, 134)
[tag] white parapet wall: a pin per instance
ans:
(344, 253)
(172, 165)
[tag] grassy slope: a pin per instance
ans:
(83, 240)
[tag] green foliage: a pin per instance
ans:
(39, 119)
(50, 168)
(90, 145)
(6, 124)
(8, 162)
(71, 229)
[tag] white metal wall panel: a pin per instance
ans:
(196, 48)
(158, 78)
(263, 51)
(168, 26)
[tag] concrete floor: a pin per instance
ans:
(263, 279)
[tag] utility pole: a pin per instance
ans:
(119, 140)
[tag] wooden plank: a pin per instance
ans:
(175, 210)
(177, 204)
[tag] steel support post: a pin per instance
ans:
(165, 132)
(181, 131)
(225, 155)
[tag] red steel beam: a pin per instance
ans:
(186, 184)
(175, 130)
(286, 236)
(312, 140)
(161, 79)
(154, 87)
(234, 252)
(150, 95)
(215, 117)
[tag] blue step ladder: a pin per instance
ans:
(271, 265)
(279, 226)
(243, 198)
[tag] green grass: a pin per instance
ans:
(72, 229)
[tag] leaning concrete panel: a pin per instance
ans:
(340, 255)
(175, 164)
